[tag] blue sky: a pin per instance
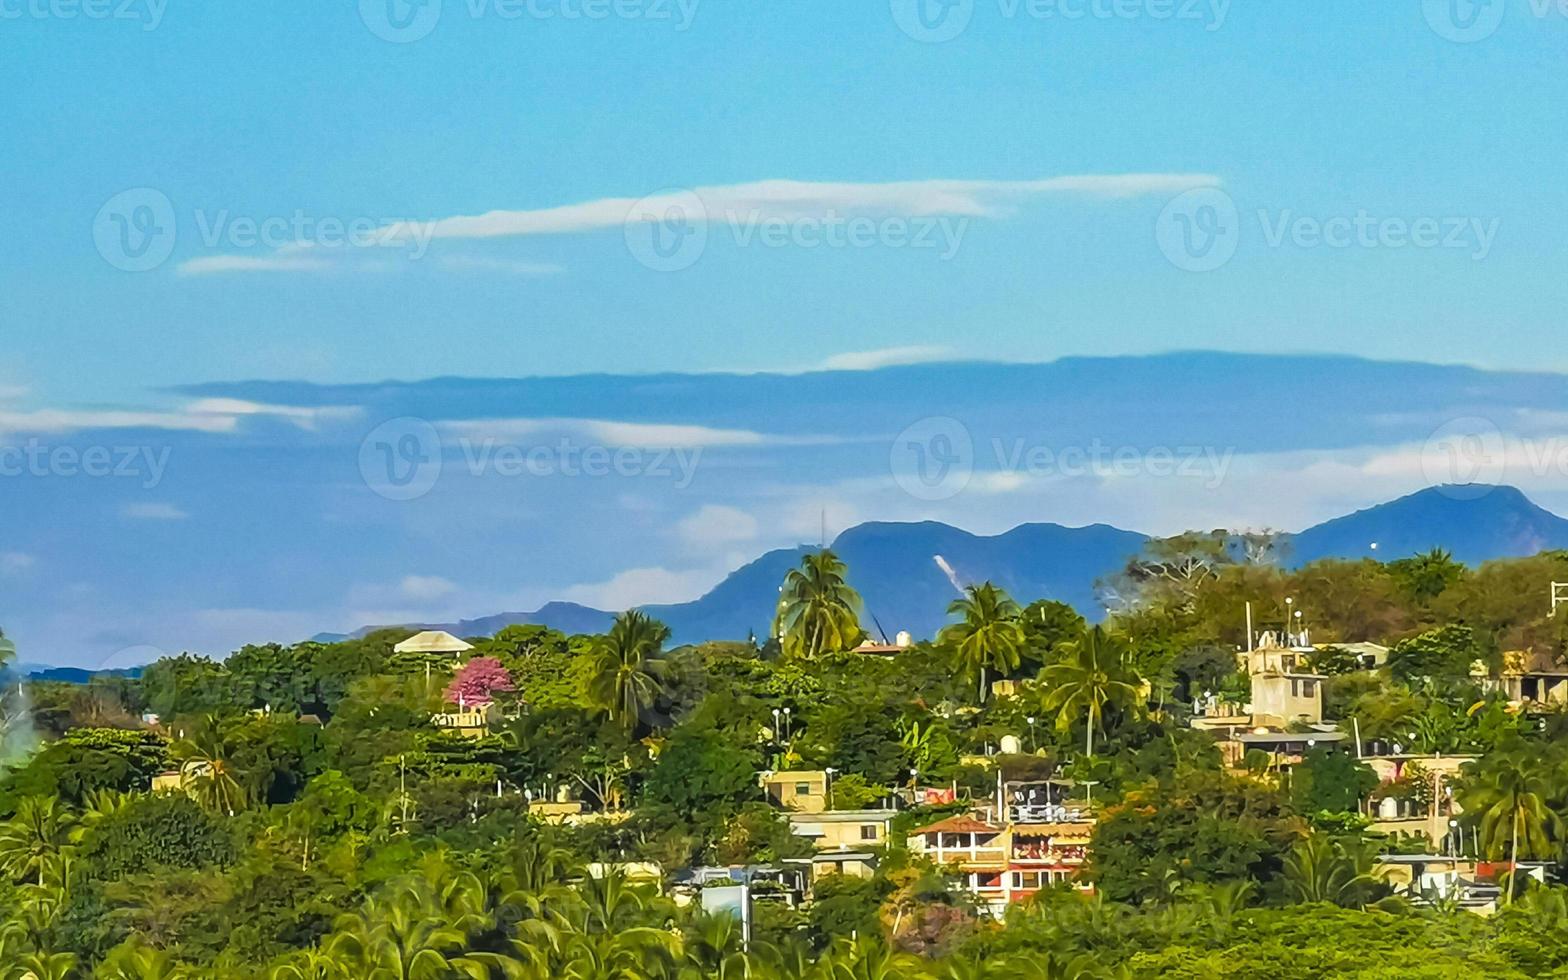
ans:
(1051, 162)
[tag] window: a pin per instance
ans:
(801, 789)
(1308, 688)
(868, 831)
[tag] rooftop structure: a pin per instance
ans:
(433, 641)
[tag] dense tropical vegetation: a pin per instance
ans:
(313, 821)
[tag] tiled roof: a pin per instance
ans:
(960, 825)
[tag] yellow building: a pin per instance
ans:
(804, 791)
(843, 830)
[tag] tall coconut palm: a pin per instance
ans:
(818, 611)
(625, 681)
(1508, 797)
(1094, 672)
(205, 755)
(989, 634)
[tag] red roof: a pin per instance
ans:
(960, 825)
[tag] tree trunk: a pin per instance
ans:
(1513, 862)
(982, 683)
(1089, 735)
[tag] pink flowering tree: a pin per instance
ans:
(479, 681)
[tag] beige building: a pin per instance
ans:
(1529, 678)
(473, 722)
(804, 791)
(1284, 692)
(843, 830)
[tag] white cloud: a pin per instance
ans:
(644, 586)
(305, 418)
(630, 435)
(425, 588)
(715, 526)
(509, 267)
(63, 420)
(216, 264)
(15, 562)
(213, 415)
(11, 393)
(870, 360)
(153, 512)
(793, 199)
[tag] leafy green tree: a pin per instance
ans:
(1422, 578)
(1199, 828)
(272, 676)
(1094, 673)
(625, 680)
(188, 685)
(1444, 654)
(818, 611)
(988, 635)
(1330, 780)
(1048, 626)
(153, 833)
(702, 777)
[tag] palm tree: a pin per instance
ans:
(989, 633)
(1323, 870)
(1094, 672)
(39, 833)
(818, 611)
(1508, 797)
(208, 773)
(625, 680)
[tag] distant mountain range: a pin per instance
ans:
(895, 566)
